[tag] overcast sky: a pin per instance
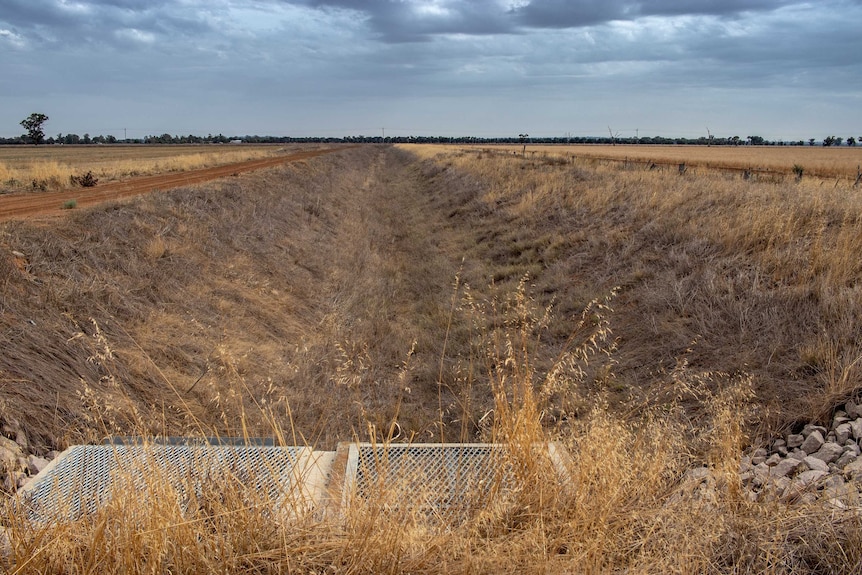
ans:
(781, 69)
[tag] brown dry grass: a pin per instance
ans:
(303, 282)
(824, 162)
(725, 274)
(50, 166)
(651, 323)
(625, 503)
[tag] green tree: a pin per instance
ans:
(33, 124)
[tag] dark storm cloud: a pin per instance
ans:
(574, 14)
(406, 20)
(95, 21)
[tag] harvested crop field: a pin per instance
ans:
(659, 326)
(816, 161)
(48, 168)
(25, 205)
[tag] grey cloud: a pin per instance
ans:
(30, 13)
(579, 13)
(410, 21)
(708, 7)
(565, 14)
(95, 21)
(368, 57)
(400, 21)
(136, 5)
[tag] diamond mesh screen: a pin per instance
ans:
(436, 481)
(86, 477)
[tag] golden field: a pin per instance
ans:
(51, 166)
(818, 161)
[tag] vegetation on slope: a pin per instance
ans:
(713, 271)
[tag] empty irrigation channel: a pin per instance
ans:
(442, 482)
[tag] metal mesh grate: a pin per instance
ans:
(86, 477)
(438, 481)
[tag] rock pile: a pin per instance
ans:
(815, 464)
(16, 465)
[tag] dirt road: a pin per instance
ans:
(24, 205)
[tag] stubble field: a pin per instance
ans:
(652, 323)
(41, 168)
(816, 161)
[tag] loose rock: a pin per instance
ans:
(801, 483)
(829, 452)
(811, 428)
(36, 464)
(795, 440)
(816, 464)
(813, 442)
(786, 467)
(846, 458)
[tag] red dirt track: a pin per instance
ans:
(24, 205)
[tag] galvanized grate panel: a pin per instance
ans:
(439, 481)
(85, 476)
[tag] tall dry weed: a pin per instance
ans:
(650, 493)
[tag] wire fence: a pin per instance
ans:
(681, 168)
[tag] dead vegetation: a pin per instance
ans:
(842, 163)
(715, 272)
(44, 168)
(653, 324)
(295, 281)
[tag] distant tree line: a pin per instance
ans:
(86, 139)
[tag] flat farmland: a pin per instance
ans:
(41, 168)
(819, 161)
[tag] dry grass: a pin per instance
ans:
(824, 162)
(651, 323)
(624, 503)
(298, 280)
(51, 166)
(733, 275)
